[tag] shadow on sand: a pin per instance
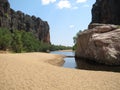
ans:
(92, 65)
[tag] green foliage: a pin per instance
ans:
(59, 47)
(75, 40)
(21, 41)
(74, 47)
(5, 39)
(44, 47)
(17, 44)
(30, 43)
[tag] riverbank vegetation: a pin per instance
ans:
(21, 41)
(75, 40)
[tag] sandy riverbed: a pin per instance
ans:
(37, 71)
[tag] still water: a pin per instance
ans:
(69, 60)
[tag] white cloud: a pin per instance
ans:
(71, 26)
(64, 4)
(81, 1)
(46, 2)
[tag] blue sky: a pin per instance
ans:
(65, 17)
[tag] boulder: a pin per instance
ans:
(100, 43)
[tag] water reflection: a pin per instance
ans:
(69, 59)
(91, 65)
(71, 62)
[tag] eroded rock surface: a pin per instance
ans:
(106, 11)
(100, 43)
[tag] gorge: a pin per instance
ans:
(100, 42)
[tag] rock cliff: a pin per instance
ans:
(20, 21)
(106, 11)
(100, 43)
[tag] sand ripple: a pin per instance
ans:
(32, 71)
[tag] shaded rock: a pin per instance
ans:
(106, 11)
(94, 66)
(101, 44)
(17, 20)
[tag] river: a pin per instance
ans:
(69, 59)
(71, 62)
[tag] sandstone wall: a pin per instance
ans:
(106, 11)
(20, 21)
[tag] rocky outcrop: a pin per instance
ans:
(101, 43)
(20, 21)
(106, 11)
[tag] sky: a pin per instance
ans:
(65, 17)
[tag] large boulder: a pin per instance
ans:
(101, 43)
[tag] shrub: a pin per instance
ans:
(30, 43)
(5, 39)
(21, 41)
(75, 40)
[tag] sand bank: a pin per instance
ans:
(37, 71)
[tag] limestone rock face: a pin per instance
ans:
(106, 11)
(20, 21)
(101, 43)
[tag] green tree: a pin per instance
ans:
(5, 39)
(75, 40)
(21, 41)
(30, 43)
(17, 44)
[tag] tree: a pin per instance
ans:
(30, 43)
(17, 44)
(5, 39)
(75, 40)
